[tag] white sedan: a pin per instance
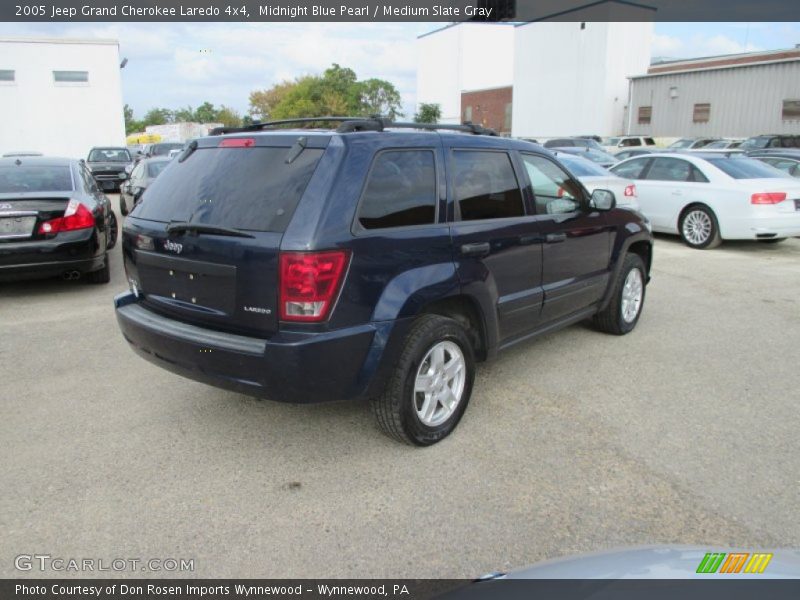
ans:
(594, 177)
(707, 198)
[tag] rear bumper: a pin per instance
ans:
(68, 251)
(781, 225)
(289, 367)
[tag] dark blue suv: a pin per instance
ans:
(375, 260)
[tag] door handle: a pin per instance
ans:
(555, 238)
(476, 249)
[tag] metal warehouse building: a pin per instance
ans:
(737, 95)
(60, 96)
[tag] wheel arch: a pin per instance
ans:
(468, 313)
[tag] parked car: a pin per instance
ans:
(760, 142)
(594, 177)
(54, 220)
(142, 176)
(573, 142)
(108, 166)
(726, 144)
(691, 143)
(620, 142)
(787, 160)
(160, 149)
(601, 157)
(379, 260)
(623, 154)
(707, 198)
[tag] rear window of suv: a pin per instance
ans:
(241, 188)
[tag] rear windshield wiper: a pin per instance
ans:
(184, 226)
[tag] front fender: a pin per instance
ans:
(634, 233)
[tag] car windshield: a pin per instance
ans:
(163, 149)
(755, 143)
(599, 156)
(154, 168)
(612, 141)
(746, 168)
(35, 179)
(110, 155)
(683, 143)
(717, 144)
(583, 168)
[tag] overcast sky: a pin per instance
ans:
(174, 64)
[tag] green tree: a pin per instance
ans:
(337, 92)
(206, 113)
(228, 117)
(379, 97)
(428, 113)
(158, 116)
(131, 124)
(184, 115)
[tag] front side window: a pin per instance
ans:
(555, 191)
(486, 186)
(400, 190)
(631, 142)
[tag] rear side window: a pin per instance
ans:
(400, 191)
(243, 188)
(486, 186)
(35, 179)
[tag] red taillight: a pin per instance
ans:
(767, 198)
(77, 216)
(630, 191)
(237, 143)
(309, 282)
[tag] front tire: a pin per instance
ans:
(113, 230)
(627, 300)
(699, 228)
(430, 388)
(123, 206)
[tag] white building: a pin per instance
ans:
(541, 79)
(60, 96)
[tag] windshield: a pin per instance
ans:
(35, 179)
(154, 168)
(612, 141)
(110, 155)
(163, 149)
(718, 144)
(252, 189)
(599, 156)
(583, 168)
(746, 168)
(683, 143)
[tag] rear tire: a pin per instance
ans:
(429, 390)
(699, 228)
(123, 207)
(113, 230)
(101, 276)
(627, 299)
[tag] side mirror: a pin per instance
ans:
(603, 200)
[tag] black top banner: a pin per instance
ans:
(400, 10)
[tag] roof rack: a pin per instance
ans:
(353, 124)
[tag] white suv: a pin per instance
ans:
(621, 142)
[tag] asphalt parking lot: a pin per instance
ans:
(683, 432)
